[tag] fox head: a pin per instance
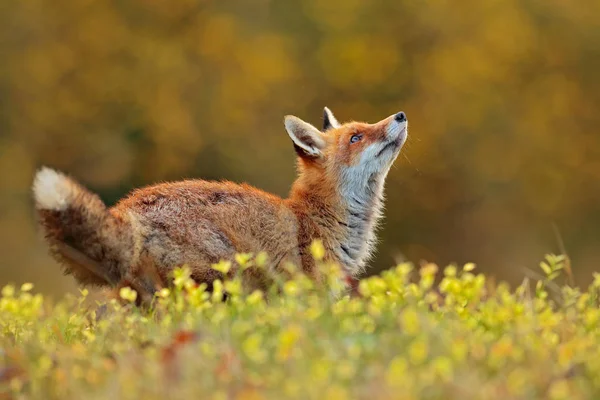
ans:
(342, 172)
(354, 157)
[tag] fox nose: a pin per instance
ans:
(400, 117)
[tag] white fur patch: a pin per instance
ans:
(52, 190)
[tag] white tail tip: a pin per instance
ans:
(52, 190)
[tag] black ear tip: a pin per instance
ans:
(326, 121)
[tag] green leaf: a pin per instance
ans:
(546, 268)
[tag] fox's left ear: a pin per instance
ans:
(329, 121)
(308, 140)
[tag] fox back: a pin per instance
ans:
(337, 198)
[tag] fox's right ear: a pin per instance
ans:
(307, 139)
(329, 121)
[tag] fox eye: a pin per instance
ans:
(355, 138)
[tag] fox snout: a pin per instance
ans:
(396, 134)
(396, 129)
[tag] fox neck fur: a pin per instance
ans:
(345, 220)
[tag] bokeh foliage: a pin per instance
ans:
(502, 99)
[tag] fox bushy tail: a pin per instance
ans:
(93, 244)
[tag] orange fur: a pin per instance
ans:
(156, 228)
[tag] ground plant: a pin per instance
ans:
(411, 332)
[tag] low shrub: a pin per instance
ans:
(412, 333)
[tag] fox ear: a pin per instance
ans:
(329, 121)
(307, 139)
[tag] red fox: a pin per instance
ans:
(337, 198)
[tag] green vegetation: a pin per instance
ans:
(408, 336)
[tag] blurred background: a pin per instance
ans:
(502, 161)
